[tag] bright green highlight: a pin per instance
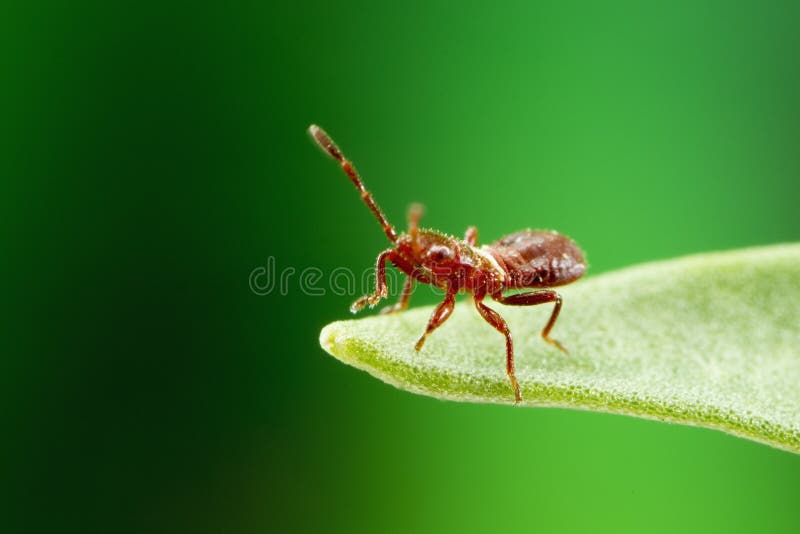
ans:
(709, 340)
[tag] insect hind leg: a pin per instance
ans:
(539, 297)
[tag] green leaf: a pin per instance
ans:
(711, 340)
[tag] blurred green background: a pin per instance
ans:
(154, 155)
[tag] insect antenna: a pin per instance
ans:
(323, 140)
(415, 212)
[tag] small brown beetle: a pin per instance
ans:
(525, 259)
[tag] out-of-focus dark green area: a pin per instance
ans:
(153, 156)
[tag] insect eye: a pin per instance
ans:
(439, 253)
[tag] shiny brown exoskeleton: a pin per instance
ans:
(525, 259)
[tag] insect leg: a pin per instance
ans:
(538, 297)
(405, 296)
(499, 324)
(439, 316)
(380, 283)
(471, 236)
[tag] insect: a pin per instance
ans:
(522, 260)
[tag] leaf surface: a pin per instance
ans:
(710, 340)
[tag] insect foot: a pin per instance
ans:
(517, 394)
(367, 300)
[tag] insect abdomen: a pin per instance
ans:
(538, 258)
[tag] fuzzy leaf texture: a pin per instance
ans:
(711, 340)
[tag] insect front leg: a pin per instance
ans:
(499, 324)
(539, 297)
(471, 236)
(405, 296)
(380, 283)
(439, 316)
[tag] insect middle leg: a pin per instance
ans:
(380, 283)
(499, 324)
(439, 316)
(405, 296)
(538, 297)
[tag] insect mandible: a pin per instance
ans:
(526, 259)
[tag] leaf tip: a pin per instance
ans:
(328, 337)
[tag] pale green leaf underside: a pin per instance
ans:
(710, 340)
